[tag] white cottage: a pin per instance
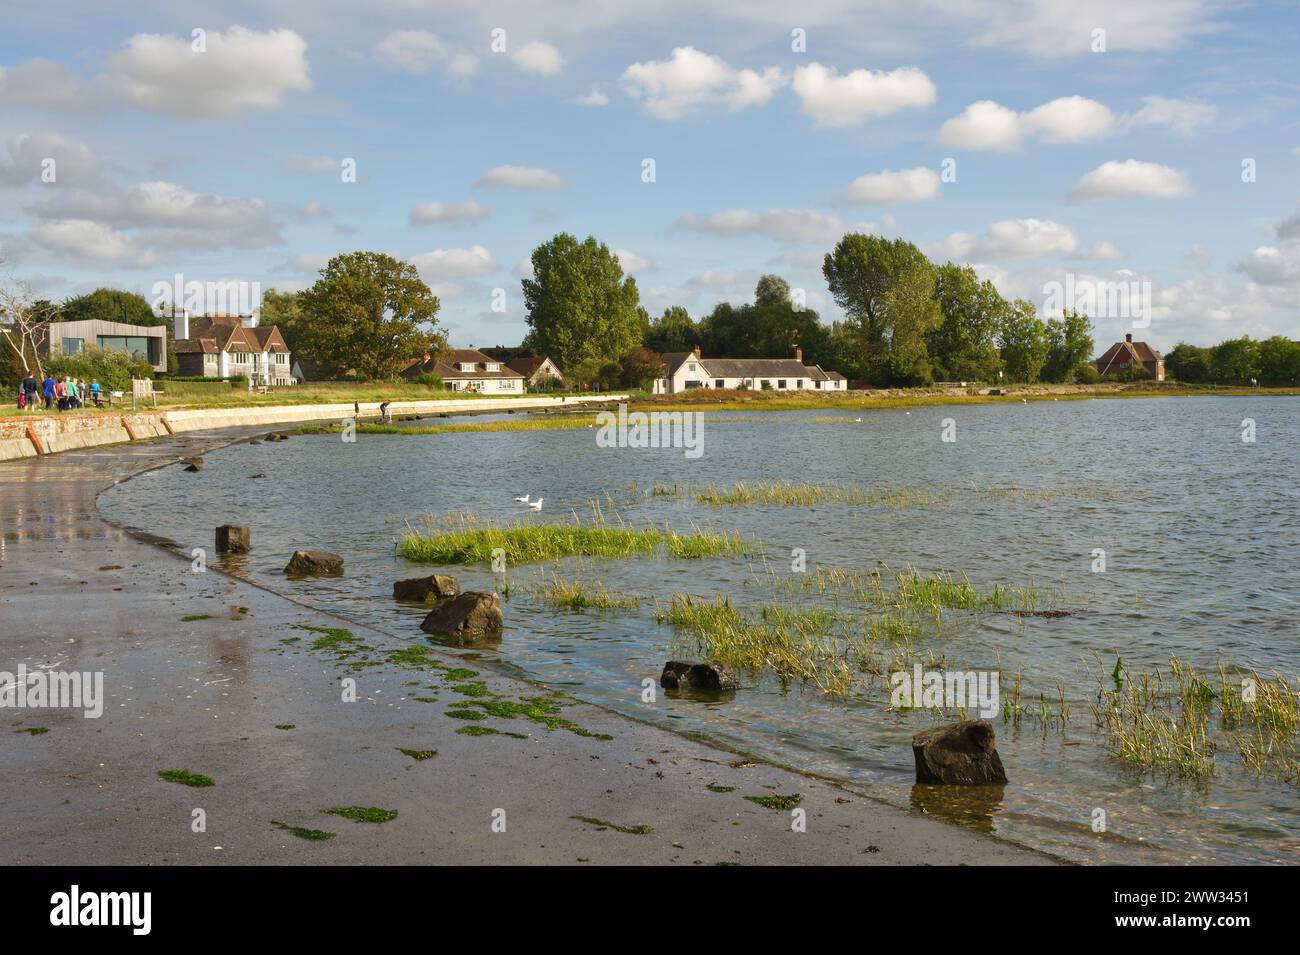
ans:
(686, 370)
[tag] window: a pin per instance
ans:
(467, 366)
(72, 345)
(691, 367)
(798, 383)
(493, 366)
(137, 345)
(692, 384)
(780, 383)
(720, 383)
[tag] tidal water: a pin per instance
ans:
(1201, 533)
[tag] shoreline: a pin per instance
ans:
(88, 790)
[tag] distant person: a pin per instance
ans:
(61, 394)
(74, 399)
(95, 393)
(22, 398)
(356, 409)
(30, 386)
(383, 412)
(47, 391)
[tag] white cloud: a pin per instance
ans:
(311, 261)
(784, 225)
(467, 210)
(538, 57)
(73, 162)
(1273, 265)
(312, 209)
(1182, 115)
(1052, 28)
(834, 100)
(419, 51)
(906, 185)
(596, 99)
(240, 69)
(631, 262)
(690, 80)
(989, 125)
(1101, 249)
(519, 177)
(1011, 239)
(89, 241)
(1113, 180)
(44, 84)
(454, 263)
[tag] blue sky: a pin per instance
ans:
(224, 163)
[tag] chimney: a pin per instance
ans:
(697, 351)
(181, 323)
(798, 353)
(249, 320)
(1129, 337)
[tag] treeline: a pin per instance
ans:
(1237, 361)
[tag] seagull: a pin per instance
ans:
(524, 499)
(858, 420)
(537, 504)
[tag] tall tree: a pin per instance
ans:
(963, 346)
(881, 285)
(771, 290)
(284, 311)
(1069, 346)
(672, 331)
(1023, 339)
(24, 320)
(368, 313)
(582, 310)
(111, 305)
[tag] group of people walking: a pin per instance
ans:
(64, 392)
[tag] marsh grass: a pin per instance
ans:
(467, 540)
(804, 494)
(548, 423)
(577, 595)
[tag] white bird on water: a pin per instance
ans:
(537, 504)
(524, 499)
(858, 420)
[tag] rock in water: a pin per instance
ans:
(468, 617)
(193, 465)
(233, 539)
(961, 754)
(314, 563)
(426, 589)
(688, 675)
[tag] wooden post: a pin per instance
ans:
(233, 539)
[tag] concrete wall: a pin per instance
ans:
(20, 435)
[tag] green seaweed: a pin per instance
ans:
(777, 802)
(311, 835)
(606, 824)
(363, 813)
(185, 777)
(419, 755)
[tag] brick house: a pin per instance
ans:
(1121, 356)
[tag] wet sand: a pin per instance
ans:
(77, 593)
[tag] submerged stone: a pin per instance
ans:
(959, 754)
(467, 617)
(691, 675)
(314, 563)
(426, 589)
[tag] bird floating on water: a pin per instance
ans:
(858, 420)
(537, 504)
(524, 499)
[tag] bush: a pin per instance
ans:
(112, 369)
(1088, 375)
(429, 379)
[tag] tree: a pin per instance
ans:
(882, 286)
(672, 331)
(1279, 361)
(1190, 363)
(771, 290)
(1069, 346)
(368, 313)
(111, 305)
(640, 366)
(1236, 359)
(24, 322)
(1024, 344)
(582, 311)
(284, 311)
(963, 345)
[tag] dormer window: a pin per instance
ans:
(493, 366)
(467, 366)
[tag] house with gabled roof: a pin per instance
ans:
(219, 346)
(466, 369)
(1122, 356)
(686, 370)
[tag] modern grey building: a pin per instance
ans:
(147, 341)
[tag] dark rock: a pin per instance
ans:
(254, 440)
(690, 675)
(960, 754)
(254, 477)
(467, 617)
(193, 465)
(314, 563)
(426, 589)
(233, 539)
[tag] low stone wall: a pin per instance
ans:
(31, 435)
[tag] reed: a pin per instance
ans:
(577, 595)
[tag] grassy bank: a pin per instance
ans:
(466, 540)
(534, 423)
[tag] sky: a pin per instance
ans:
(1154, 142)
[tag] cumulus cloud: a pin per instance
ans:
(1132, 178)
(454, 263)
(691, 80)
(1011, 239)
(538, 57)
(44, 84)
(520, 178)
(467, 210)
(28, 156)
(906, 185)
(1273, 265)
(595, 99)
(1182, 115)
(240, 69)
(630, 261)
(989, 125)
(89, 241)
(784, 225)
(419, 51)
(834, 100)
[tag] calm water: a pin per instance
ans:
(1201, 532)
